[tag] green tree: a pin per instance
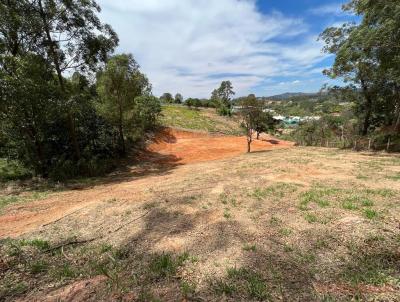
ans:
(367, 56)
(68, 34)
(222, 98)
(146, 112)
(250, 111)
(264, 122)
(118, 85)
(178, 98)
(167, 98)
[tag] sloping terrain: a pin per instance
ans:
(205, 120)
(297, 224)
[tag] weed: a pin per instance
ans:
(249, 248)
(224, 288)
(165, 265)
(287, 248)
(370, 214)
(285, 232)
(275, 221)
(64, 272)
(365, 202)
(187, 289)
(38, 267)
(227, 214)
(311, 218)
(349, 204)
(251, 281)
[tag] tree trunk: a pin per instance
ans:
(54, 56)
(249, 140)
(258, 135)
(368, 108)
(121, 131)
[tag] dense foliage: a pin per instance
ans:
(51, 117)
(368, 58)
(222, 98)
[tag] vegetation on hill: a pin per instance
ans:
(199, 119)
(67, 107)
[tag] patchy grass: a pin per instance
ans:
(7, 200)
(260, 240)
(244, 282)
(370, 214)
(166, 265)
(198, 119)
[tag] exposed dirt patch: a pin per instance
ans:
(190, 147)
(311, 223)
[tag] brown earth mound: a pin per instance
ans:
(190, 147)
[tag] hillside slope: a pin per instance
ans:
(202, 119)
(303, 224)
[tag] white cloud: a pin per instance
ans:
(189, 46)
(328, 9)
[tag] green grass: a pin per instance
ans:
(11, 199)
(38, 267)
(349, 204)
(311, 218)
(165, 265)
(192, 119)
(242, 282)
(276, 191)
(372, 269)
(12, 170)
(370, 214)
(395, 177)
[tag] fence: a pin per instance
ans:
(357, 144)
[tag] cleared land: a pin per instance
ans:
(294, 224)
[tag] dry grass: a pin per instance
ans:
(301, 224)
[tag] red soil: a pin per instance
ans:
(190, 147)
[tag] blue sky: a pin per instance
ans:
(264, 47)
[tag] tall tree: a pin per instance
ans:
(118, 85)
(178, 98)
(167, 98)
(68, 34)
(250, 111)
(222, 97)
(367, 55)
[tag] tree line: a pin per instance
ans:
(367, 59)
(68, 106)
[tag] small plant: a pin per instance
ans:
(311, 218)
(38, 267)
(227, 214)
(224, 288)
(64, 272)
(275, 221)
(249, 248)
(165, 265)
(187, 289)
(285, 232)
(370, 214)
(349, 204)
(367, 202)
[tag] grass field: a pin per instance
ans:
(199, 119)
(299, 224)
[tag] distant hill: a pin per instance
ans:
(288, 95)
